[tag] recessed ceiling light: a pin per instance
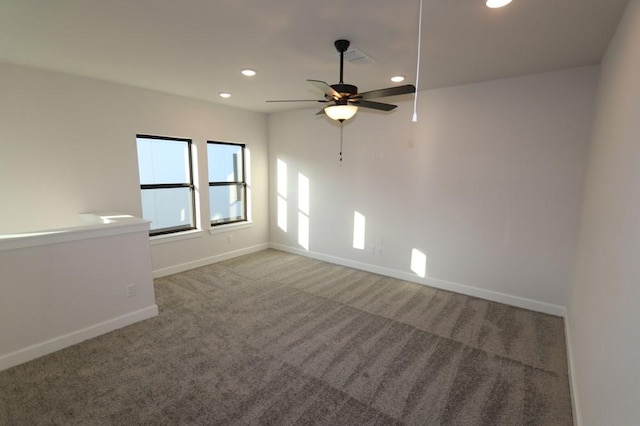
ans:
(397, 78)
(248, 72)
(225, 95)
(494, 4)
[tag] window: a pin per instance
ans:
(166, 183)
(227, 184)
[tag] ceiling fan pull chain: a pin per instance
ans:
(415, 94)
(341, 124)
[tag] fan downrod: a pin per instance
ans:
(342, 46)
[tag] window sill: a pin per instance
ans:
(169, 238)
(230, 227)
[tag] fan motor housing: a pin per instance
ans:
(345, 89)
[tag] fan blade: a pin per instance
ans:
(300, 100)
(320, 112)
(325, 88)
(374, 105)
(389, 91)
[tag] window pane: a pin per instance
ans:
(227, 203)
(163, 161)
(167, 207)
(225, 163)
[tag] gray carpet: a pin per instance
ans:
(274, 338)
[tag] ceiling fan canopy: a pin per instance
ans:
(344, 99)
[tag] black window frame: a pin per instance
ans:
(241, 183)
(190, 185)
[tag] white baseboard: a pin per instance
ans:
(60, 342)
(174, 269)
(494, 296)
(573, 387)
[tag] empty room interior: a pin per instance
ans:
(189, 235)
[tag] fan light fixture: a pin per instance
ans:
(341, 112)
(494, 4)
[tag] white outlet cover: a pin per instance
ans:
(131, 290)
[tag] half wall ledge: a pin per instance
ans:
(62, 285)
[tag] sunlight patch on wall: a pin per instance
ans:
(303, 193)
(358, 230)
(282, 214)
(303, 230)
(419, 263)
(282, 179)
(303, 211)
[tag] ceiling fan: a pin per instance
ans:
(344, 99)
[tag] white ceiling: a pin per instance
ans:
(197, 48)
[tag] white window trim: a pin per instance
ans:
(176, 236)
(228, 227)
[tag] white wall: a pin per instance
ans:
(61, 288)
(487, 184)
(67, 146)
(603, 315)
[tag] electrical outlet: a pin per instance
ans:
(131, 290)
(378, 155)
(229, 239)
